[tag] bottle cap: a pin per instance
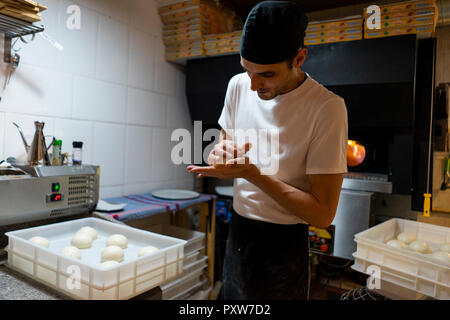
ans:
(57, 143)
(77, 144)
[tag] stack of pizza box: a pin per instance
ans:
(336, 30)
(25, 10)
(222, 43)
(409, 17)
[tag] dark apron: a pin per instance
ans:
(266, 261)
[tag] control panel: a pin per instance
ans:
(55, 195)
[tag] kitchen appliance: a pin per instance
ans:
(30, 193)
(37, 153)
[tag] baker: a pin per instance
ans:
(267, 251)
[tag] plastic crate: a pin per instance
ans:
(190, 258)
(133, 276)
(200, 263)
(200, 292)
(194, 239)
(419, 273)
(181, 285)
(199, 295)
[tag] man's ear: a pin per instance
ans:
(300, 57)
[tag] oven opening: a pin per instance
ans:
(356, 153)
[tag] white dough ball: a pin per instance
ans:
(90, 231)
(117, 240)
(445, 247)
(81, 241)
(396, 244)
(419, 246)
(72, 251)
(147, 250)
(441, 255)
(108, 263)
(112, 253)
(406, 237)
(43, 242)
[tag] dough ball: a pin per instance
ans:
(112, 253)
(72, 251)
(117, 240)
(445, 247)
(43, 242)
(396, 244)
(90, 231)
(147, 250)
(406, 237)
(441, 255)
(81, 241)
(419, 246)
(108, 263)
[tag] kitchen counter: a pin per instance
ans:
(14, 286)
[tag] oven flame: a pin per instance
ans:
(356, 153)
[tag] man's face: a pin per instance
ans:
(269, 80)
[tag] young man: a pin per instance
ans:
(267, 255)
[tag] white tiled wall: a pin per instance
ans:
(110, 88)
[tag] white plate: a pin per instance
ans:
(106, 206)
(175, 194)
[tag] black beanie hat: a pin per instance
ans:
(273, 32)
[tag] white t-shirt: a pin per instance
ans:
(311, 122)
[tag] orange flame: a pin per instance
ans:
(356, 153)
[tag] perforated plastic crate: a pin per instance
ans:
(133, 276)
(194, 239)
(416, 272)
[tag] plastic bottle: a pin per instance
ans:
(57, 145)
(77, 153)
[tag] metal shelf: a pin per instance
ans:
(13, 28)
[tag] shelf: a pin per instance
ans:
(13, 28)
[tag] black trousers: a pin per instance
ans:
(266, 261)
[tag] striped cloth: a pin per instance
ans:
(140, 206)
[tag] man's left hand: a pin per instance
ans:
(239, 167)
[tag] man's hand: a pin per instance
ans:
(227, 161)
(227, 150)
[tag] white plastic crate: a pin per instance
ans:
(133, 276)
(419, 273)
(194, 239)
(200, 263)
(182, 285)
(199, 295)
(190, 258)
